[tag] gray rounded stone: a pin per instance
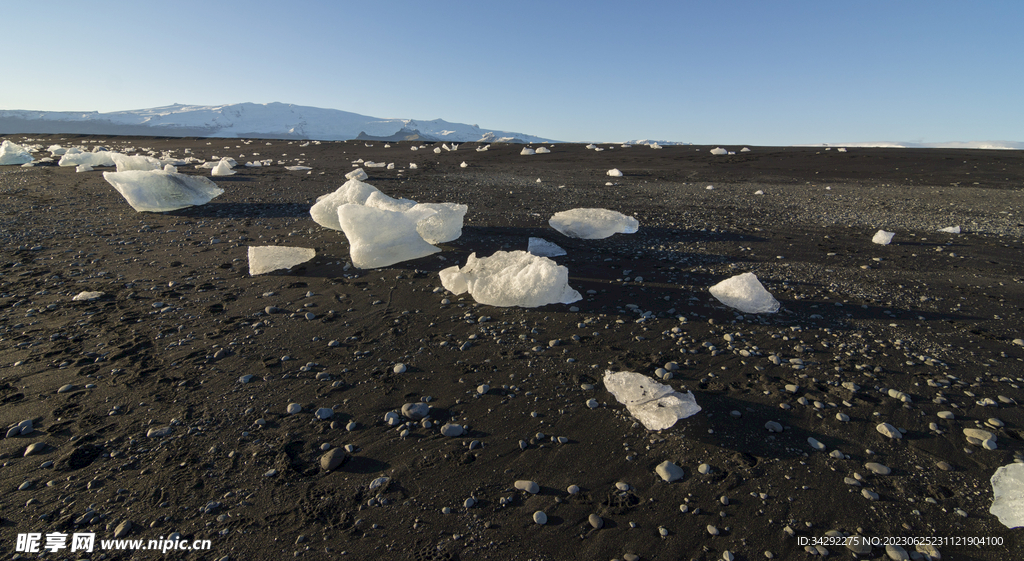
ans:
(332, 459)
(452, 430)
(540, 518)
(415, 411)
(528, 486)
(294, 408)
(596, 521)
(668, 471)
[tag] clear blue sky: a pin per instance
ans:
(751, 72)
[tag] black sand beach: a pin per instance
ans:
(878, 334)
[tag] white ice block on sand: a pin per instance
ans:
(719, 151)
(13, 154)
(544, 248)
(542, 150)
(94, 159)
(882, 237)
(438, 222)
(655, 405)
(384, 202)
(87, 296)
(511, 278)
(223, 167)
(325, 211)
(527, 152)
(745, 293)
(1008, 495)
(593, 223)
(378, 238)
(357, 174)
(161, 191)
(614, 172)
(266, 258)
(950, 230)
(140, 163)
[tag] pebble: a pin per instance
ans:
(944, 466)
(332, 459)
(946, 415)
(773, 426)
(704, 469)
(889, 430)
(842, 417)
(869, 495)
(452, 430)
(979, 434)
(858, 545)
(622, 486)
(528, 486)
(482, 389)
(573, 489)
(157, 432)
(592, 403)
(596, 521)
(324, 413)
(399, 368)
(122, 529)
(294, 408)
(392, 419)
(66, 388)
(815, 444)
(896, 553)
(310, 316)
(728, 556)
(540, 518)
(713, 530)
(415, 411)
(246, 379)
(469, 503)
(668, 471)
(877, 468)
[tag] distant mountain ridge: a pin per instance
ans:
(249, 120)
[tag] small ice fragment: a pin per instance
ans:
(511, 278)
(882, 237)
(358, 174)
(293, 168)
(593, 223)
(527, 152)
(463, 165)
(83, 168)
(950, 230)
(223, 167)
(759, 192)
(1008, 495)
(266, 258)
(745, 149)
(719, 151)
(614, 172)
(86, 296)
(544, 248)
(745, 293)
(161, 191)
(655, 405)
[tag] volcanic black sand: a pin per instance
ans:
(932, 316)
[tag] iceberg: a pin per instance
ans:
(655, 405)
(378, 237)
(746, 294)
(543, 248)
(266, 258)
(511, 278)
(94, 159)
(161, 191)
(882, 237)
(13, 154)
(1008, 495)
(593, 223)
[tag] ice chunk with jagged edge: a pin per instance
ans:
(125, 162)
(82, 168)
(745, 293)
(593, 223)
(655, 405)
(56, 150)
(1008, 495)
(162, 191)
(614, 172)
(12, 154)
(266, 258)
(384, 202)
(950, 230)
(719, 151)
(325, 211)
(511, 278)
(882, 237)
(544, 248)
(527, 152)
(378, 237)
(94, 159)
(223, 167)
(438, 222)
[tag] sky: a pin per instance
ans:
(733, 72)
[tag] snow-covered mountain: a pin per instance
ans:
(252, 120)
(976, 144)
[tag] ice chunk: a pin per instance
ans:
(289, 168)
(82, 168)
(655, 405)
(544, 248)
(950, 230)
(614, 172)
(378, 238)
(161, 191)
(882, 237)
(511, 278)
(384, 202)
(325, 211)
(744, 149)
(94, 159)
(719, 151)
(56, 150)
(223, 167)
(266, 258)
(87, 296)
(542, 150)
(12, 154)
(527, 152)
(746, 294)
(128, 163)
(438, 222)
(593, 223)
(1008, 495)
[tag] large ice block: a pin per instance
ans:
(161, 191)
(745, 293)
(511, 278)
(655, 405)
(593, 223)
